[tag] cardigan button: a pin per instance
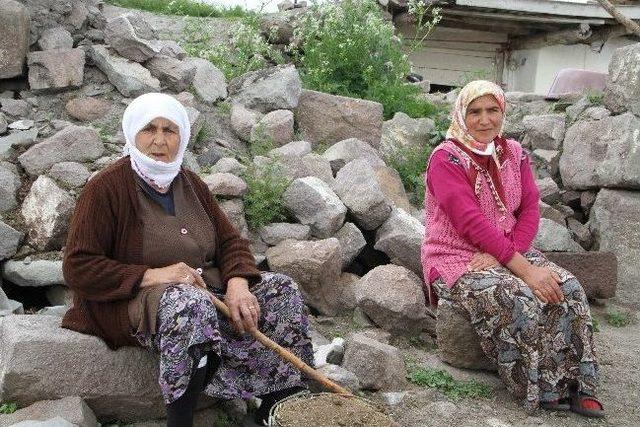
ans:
(183, 231)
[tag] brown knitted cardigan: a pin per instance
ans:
(103, 256)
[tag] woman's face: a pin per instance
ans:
(159, 140)
(484, 118)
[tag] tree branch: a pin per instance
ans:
(628, 23)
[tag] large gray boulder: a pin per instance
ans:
(553, 237)
(243, 120)
(88, 109)
(55, 38)
(602, 153)
(614, 222)
(378, 366)
(275, 127)
(292, 149)
(56, 69)
(357, 187)
(9, 241)
(544, 131)
(313, 203)
(225, 184)
(275, 88)
(458, 342)
(47, 210)
(400, 237)
(130, 78)
(71, 174)
(342, 152)
(325, 118)
(277, 232)
(292, 168)
(71, 144)
(9, 185)
(120, 385)
(174, 74)
(14, 43)
(33, 273)
(392, 297)
(315, 266)
(351, 242)
(402, 131)
(392, 187)
(622, 90)
(121, 35)
(234, 210)
(72, 409)
(209, 83)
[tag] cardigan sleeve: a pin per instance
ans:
(528, 214)
(233, 253)
(448, 183)
(88, 267)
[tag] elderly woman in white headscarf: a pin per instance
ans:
(148, 245)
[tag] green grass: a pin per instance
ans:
(618, 319)
(8, 408)
(182, 8)
(595, 97)
(411, 163)
(443, 381)
(596, 324)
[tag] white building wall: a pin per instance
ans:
(533, 70)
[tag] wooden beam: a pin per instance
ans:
(492, 16)
(631, 26)
(567, 37)
(586, 10)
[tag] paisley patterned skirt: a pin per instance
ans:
(541, 350)
(189, 328)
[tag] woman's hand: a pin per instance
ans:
(545, 284)
(482, 261)
(176, 273)
(243, 305)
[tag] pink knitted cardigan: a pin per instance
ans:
(444, 249)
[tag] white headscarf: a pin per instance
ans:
(137, 115)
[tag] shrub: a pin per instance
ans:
(347, 48)
(182, 7)
(411, 163)
(263, 202)
(618, 319)
(246, 50)
(8, 408)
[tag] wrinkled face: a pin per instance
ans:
(484, 118)
(159, 140)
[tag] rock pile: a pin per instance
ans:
(351, 238)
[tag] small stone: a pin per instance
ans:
(55, 38)
(71, 174)
(22, 125)
(225, 184)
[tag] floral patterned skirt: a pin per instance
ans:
(540, 349)
(189, 327)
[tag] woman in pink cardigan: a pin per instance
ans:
(482, 215)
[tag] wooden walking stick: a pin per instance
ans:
(286, 354)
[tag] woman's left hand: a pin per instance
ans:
(482, 261)
(243, 305)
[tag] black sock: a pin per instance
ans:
(180, 412)
(270, 399)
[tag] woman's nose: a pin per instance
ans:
(159, 137)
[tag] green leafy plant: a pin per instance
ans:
(246, 49)
(596, 324)
(347, 48)
(595, 97)
(618, 318)
(182, 7)
(411, 163)
(443, 381)
(8, 408)
(263, 202)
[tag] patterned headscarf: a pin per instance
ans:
(458, 129)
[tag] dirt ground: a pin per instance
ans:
(618, 350)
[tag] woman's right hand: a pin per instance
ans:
(544, 283)
(176, 273)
